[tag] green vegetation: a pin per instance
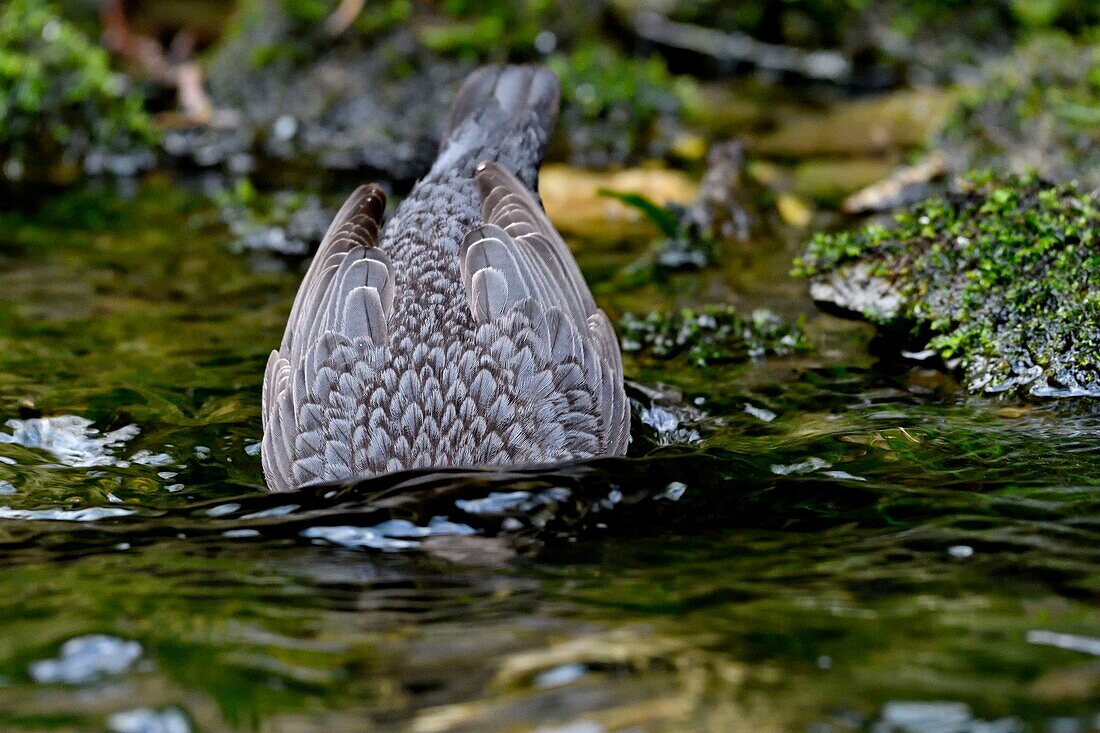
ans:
(1039, 109)
(616, 106)
(845, 23)
(1000, 279)
(714, 335)
(288, 223)
(683, 244)
(59, 99)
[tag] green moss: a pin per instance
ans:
(999, 280)
(713, 335)
(59, 100)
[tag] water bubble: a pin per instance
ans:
(285, 128)
(673, 492)
(546, 42)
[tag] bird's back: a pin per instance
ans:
(462, 335)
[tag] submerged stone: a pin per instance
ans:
(998, 279)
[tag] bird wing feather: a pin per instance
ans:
(342, 311)
(517, 267)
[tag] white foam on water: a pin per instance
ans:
(70, 439)
(391, 536)
(149, 720)
(86, 659)
(91, 514)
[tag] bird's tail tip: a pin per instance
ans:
(502, 93)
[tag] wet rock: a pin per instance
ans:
(829, 180)
(718, 208)
(692, 234)
(346, 103)
(859, 290)
(906, 185)
(618, 109)
(859, 128)
(374, 98)
(996, 279)
(572, 201)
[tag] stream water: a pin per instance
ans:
(833, 542)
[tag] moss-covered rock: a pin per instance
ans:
(713, 335)
(61, 106)
(374, 97)
(999, 279)
(1038, 110)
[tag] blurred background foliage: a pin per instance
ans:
(360, 86)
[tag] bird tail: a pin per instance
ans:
(503, 113)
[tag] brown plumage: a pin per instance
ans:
(460, 334)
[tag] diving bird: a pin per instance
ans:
(461, 332)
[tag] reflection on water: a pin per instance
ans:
(814, 542)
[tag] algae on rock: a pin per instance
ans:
(1001, 280)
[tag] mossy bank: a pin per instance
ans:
(998, 279)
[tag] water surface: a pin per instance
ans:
(848, 543)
